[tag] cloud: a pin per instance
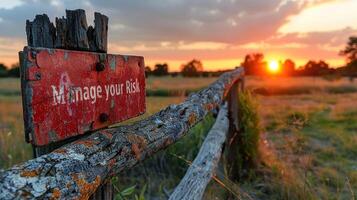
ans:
(230, 21)
(328, 39)
(181, 29)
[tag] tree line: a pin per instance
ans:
(254, 64)
(13, 71)
(193, 68)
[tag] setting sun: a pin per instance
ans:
(273, 66)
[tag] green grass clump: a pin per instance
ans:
(249, 127)
(248, 136)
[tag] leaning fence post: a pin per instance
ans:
(231, 148)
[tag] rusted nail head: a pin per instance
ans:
(38, 76)
(100, 66)
(33, 54)
(103, 117)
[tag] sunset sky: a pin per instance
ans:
(218, 32)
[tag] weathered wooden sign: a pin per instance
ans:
(67, 93)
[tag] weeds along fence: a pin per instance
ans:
(82, 168)
(77, 169)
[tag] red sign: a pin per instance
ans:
(67, 93)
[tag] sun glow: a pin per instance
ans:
(273, 66)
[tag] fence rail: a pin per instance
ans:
(77, 170)
(194, 183)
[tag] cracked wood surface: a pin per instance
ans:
(199, 174)
(71, 32)
(76, 170)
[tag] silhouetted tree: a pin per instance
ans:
(14, 71)
(161, 70)
(192, 68)
(350, 52)
(254, 64)
(313, 68)
(288, 67)
(3, 70)
(147, 71)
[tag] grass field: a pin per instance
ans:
(308, 144)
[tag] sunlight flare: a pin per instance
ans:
(273, 66)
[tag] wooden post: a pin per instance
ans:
(232, 142)
(71, 33)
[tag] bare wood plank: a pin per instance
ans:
(41, 32)
(76, 170)
(91, 40)
(61, 30)
(71, 32)
(101, 32)
(77, 30)
(199, 174)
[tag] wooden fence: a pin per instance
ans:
(80, 168)
(77, 169)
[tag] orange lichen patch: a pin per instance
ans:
(111, 163)
(136, 150)
(139, 140)
(87, 143)
(31, 173)
(168, 142)
(192, 119)
(61, 151)
(56, 194)
(107, 134)
(209, 106)
(26, 195)
(86, 189)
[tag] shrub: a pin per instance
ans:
(249, 133)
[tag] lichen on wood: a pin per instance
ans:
(77, 169)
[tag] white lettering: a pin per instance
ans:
(58, 97)
(93, 94)
(128, 87)
(86, 93)
(99, 91)
(107, 91)
(79, 94)
(112, 90)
